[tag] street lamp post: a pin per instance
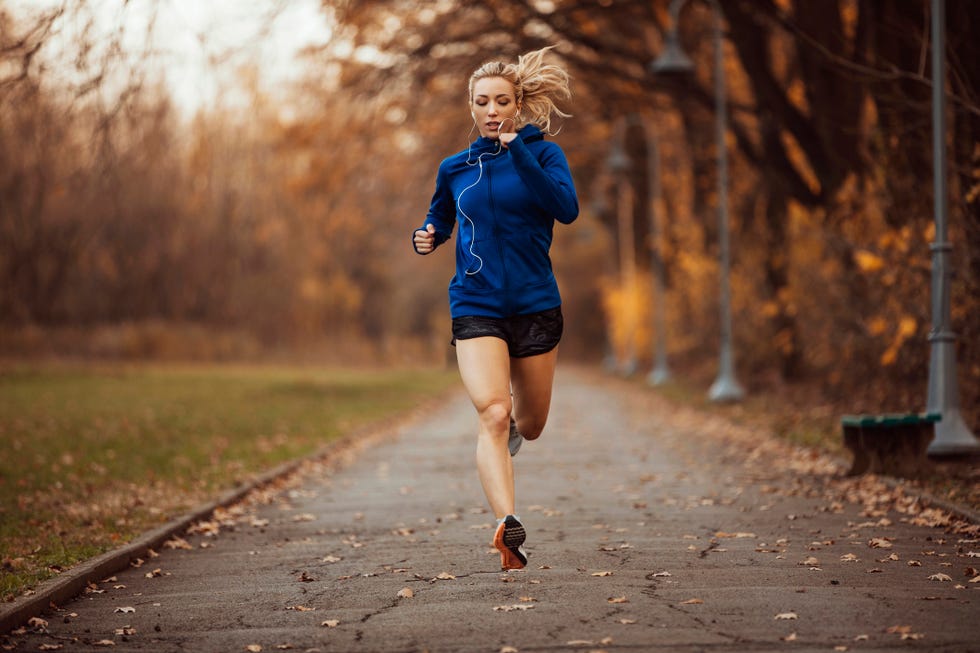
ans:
(619, 165)
(674, 60)
(953, 436)
(660, 373)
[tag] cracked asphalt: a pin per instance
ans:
(650, 529)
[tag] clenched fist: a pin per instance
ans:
(425, 239)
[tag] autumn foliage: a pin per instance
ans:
(284, 220)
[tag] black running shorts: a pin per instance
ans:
(525, 335)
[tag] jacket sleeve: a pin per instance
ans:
(442, 209)
(548, 177)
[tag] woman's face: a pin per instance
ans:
(494, 106)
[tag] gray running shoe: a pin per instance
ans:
(515, 440)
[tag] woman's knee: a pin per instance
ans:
(531, 426)
(496, 416)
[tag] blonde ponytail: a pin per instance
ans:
(536, 86)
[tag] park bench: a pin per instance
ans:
(893, 444)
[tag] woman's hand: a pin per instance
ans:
(425, 239)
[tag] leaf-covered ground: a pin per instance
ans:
(96, 455)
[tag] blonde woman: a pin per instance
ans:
(505, 192)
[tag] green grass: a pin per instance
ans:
(91, 457)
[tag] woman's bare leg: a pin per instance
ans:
(484, 365)
(532, 380)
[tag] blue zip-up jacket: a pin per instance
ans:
(510, 200)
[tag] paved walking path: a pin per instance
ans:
(649, 530)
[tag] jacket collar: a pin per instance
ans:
(528, 133)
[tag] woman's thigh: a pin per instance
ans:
(485, 367)
(532, 378)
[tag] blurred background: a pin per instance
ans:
(238, 181)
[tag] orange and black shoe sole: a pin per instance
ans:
(508, 539)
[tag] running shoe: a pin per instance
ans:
(515, 440)
(509, 540)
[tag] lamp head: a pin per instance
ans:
(673, 59)
(618, 161)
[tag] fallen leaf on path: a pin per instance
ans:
(627, 622)
(49, 647)
(692, 602)
(579, 642)
(602, 573)
(304, 517)
(126, 630)
(789, 638)
(914, 563)
(508, 649)
(849, 557)
(254, 648)
(941, 577)
(37, 622)
(617, 599)
(330, 623)
(156, 573)
(975, 579)
(306, 578)
(406, 593)
(810, 562)
(662, 574)
(299, 608)
(284, 647)
(786, 615)
(511, 608)
(861, 638)
(738, 535)
(104, 642)
(527, 599)
(125, 610)
(879, 543)
(331, 559)
(176, 543)
(445, 576)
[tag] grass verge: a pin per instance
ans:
(93, 456)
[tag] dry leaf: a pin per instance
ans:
(692, 602)
(125, 610)
(300, 608)
(511, 608)
(602, 573)
(104, 642)
(330, 623)
(849, 557)
(627, 622)
(49, 647)
(527, 599)
(734, 535)
(580, 642)
(879, 543)
(786, 615)
(789, 638)
(617, 599)
(331, 559)
(445, 576)
(127, 630)
(975, 579)
(284, 647)
(914, 563)
(37, 622)
(304, 517)
(254, 648)
(941, 577)
(406, 593)
(810, 562)
(508, 649)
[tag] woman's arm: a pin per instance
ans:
(548, 177)
(439, 221)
